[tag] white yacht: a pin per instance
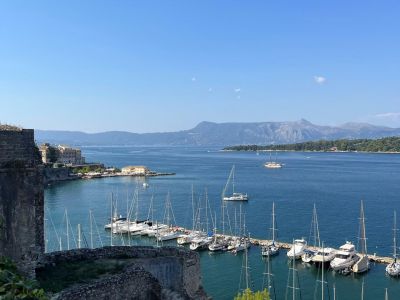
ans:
(272, 164)
(218, 244)
(152, 230)
(324, 256)
(393, 269)
(200, 243)
(238, 244)
(345, 257)
(168, 234)
(235, 195)
(297, 249)
(308, 255)
(188, 238)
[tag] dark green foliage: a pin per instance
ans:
(248, 294)
(53, 154)
(56, 278)
(14, 286)
(389, 144)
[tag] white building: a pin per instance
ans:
(135, 170)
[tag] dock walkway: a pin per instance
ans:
(371, 257)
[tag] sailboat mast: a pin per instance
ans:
(233, 179)
(91, 229)
(79, 236)
(294, 278)
(363, 235)
(394, 236)
(223, 218)
(247, 264)
(112, 221)
(193, 208)
(316, 228)
(322, 273)
(66, 222)
(273, 221)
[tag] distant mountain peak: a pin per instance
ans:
(304, 122)
(224, 134)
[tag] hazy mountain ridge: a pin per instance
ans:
(222, 134)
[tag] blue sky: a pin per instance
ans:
(146, 66)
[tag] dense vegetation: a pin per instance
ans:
(388, 144)
(247, 294)
(14, 286)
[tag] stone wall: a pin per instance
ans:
(18, 146)
(176, 273)
(21, 199)
(52, 175)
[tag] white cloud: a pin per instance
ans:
(237, 90)
(320, 79)
(391, 119)
(389, 115)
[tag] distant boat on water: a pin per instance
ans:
(235, 195)
(273, 164)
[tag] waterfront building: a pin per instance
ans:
(61, 154)
(135, 170)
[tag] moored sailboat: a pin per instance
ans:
(393, 269)
(235, 195)
(272, 248)
(362, 264)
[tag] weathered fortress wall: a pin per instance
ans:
(148, 273)
(21, 199)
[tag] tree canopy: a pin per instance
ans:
(388, 144)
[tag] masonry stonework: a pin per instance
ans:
(21, 199)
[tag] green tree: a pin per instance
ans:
(53, 155)
(248, 294)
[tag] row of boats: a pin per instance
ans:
(344, 260)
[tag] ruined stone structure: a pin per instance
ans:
(147, 273)
(21, 198)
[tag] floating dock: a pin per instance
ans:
(371, 257)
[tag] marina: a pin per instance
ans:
(294, 189)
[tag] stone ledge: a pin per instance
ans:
(169, 269)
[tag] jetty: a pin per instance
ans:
(372, 257)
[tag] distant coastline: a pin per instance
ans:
(389, 145)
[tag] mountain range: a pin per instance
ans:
(222, 134)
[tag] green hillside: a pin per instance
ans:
(388, 144)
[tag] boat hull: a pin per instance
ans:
(393, 269)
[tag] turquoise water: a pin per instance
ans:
(336, 182)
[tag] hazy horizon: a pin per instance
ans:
(185, 129)
(98, 66)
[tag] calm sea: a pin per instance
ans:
(335, 182)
